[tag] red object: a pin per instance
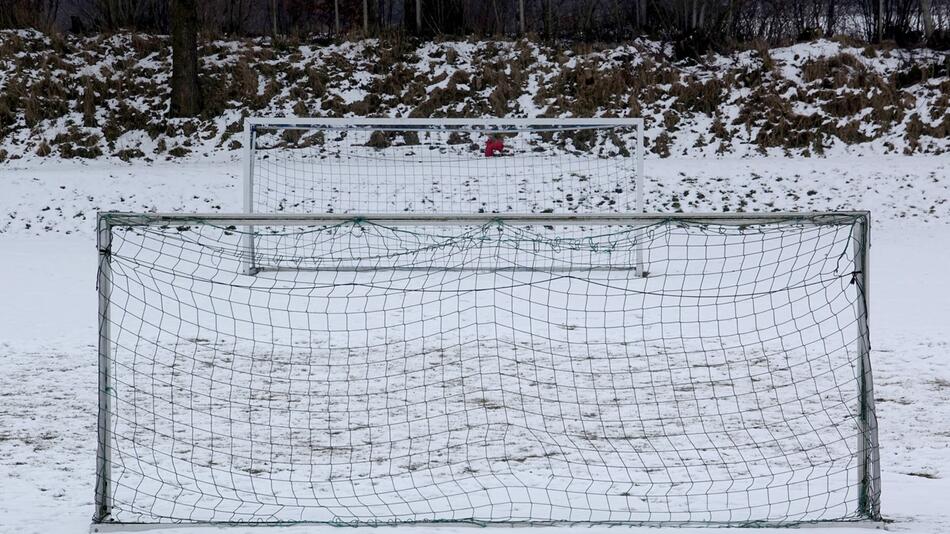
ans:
(492, 146)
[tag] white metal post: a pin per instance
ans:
(869, 458)
(442, 219)
(250, 266)
(405, 123)
(641, 180)
(104, 427)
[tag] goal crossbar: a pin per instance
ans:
(425, 219)
(402, 124)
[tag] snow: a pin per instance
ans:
(48, 316)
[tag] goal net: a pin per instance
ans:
(445, 166)
(362, 165)
(483, 368)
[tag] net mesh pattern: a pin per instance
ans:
(444, 169)
(489, 373)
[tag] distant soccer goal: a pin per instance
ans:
(461, 166)
(443, 166)
(486, 368)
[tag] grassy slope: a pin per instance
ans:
(106, 96)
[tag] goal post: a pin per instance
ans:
(488, 368)
(442, 166)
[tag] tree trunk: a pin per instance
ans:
(419, 17)
(546, 17)
(186, 98)
(927, 17)
(879, 20)
(830, 22)
(521, 16)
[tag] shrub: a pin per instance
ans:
(378, 139)
(661, 145)
(43, 149)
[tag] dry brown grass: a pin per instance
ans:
(179, 152)
(10, 44)
(702, 97)
(661, 145)
(43, 149)
(379, 140)
(317, 81)
(38, 86)
(451, 56)
(77, 143)
(459, 138)
(836, 68)
(244, 84)
(88, 104)
(8, 116)
(437, 99)
(124, 118)
(762, 50)
(585, 89)
(851, 133)
(720, 131)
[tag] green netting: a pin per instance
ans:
(496, 372)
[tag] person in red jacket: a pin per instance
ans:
(494, 145)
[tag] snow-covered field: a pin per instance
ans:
(48, 310)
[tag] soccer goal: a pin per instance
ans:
(486, 368)
(443, 166)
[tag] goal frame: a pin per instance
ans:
(867, 454)
(502, 125)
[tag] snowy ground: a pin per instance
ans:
(48, 335)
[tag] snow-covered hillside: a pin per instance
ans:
(71, 97)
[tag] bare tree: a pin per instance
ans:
(186, 99)
(927, 18)
(116, 15)
(336, 17)
(831, 19)
(37, 14)
(236, 14)
(419, 16)
(521, 17)
(878, 20)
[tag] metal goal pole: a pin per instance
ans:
(104, 432)
(438, 219)
(869, 463)
(641, 180)
(248, 170)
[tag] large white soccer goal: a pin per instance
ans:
(486, 368)
(447, 166)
